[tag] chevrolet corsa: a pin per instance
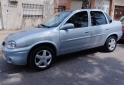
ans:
(63, 33)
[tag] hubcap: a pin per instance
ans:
(112, 44)
(43, 58)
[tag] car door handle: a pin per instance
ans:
(107, 29)
(87, 32)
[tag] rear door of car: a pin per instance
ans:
(99, 28)
(78, 37)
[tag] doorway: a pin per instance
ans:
(119, 12)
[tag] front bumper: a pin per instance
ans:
(15, 56)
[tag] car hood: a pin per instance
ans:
(23, 33)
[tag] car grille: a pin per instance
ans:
(3, 43)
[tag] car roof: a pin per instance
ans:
(85, 10)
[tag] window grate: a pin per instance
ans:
(32, 10)
(14, 1)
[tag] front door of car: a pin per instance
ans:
(76, 38)
(99, 28)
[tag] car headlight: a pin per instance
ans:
(11, 44)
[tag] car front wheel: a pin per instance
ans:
(110, 44)
(41, 58)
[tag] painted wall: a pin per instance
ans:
(65, 3)
(76, 4)
(119, 2)
(103, 5)
(13, 16)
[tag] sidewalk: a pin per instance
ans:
(3, 34)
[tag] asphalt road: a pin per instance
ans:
(90, 67)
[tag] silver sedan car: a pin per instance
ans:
(63, 33)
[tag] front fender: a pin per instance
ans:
(47, 42)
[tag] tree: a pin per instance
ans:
(86, 4)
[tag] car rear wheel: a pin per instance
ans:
(42, 58)
(110, 44)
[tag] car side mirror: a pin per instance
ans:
(67, 26)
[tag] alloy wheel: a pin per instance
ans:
(112, 44)
(43, 58)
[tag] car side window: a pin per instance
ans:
(109, 19)
(79, 19)
(97, 18)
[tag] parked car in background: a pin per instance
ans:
(63, 33)
(122, 21)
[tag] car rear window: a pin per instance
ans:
(108, 17)
(97, 18)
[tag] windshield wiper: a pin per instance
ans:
(45, 25)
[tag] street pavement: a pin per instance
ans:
(90, 67)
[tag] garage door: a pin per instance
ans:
(103, 5)
(0, 22)
(0, 18)
(76, 4)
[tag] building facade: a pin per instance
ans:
(115, 8)
(19, 14)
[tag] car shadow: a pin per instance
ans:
(120, 43)
(75, 55)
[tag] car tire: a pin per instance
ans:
(41, 58)
(110, 44)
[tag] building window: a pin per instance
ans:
(61, 8)
(13, 3)
(32, 10)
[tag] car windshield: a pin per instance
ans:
(56, 19)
